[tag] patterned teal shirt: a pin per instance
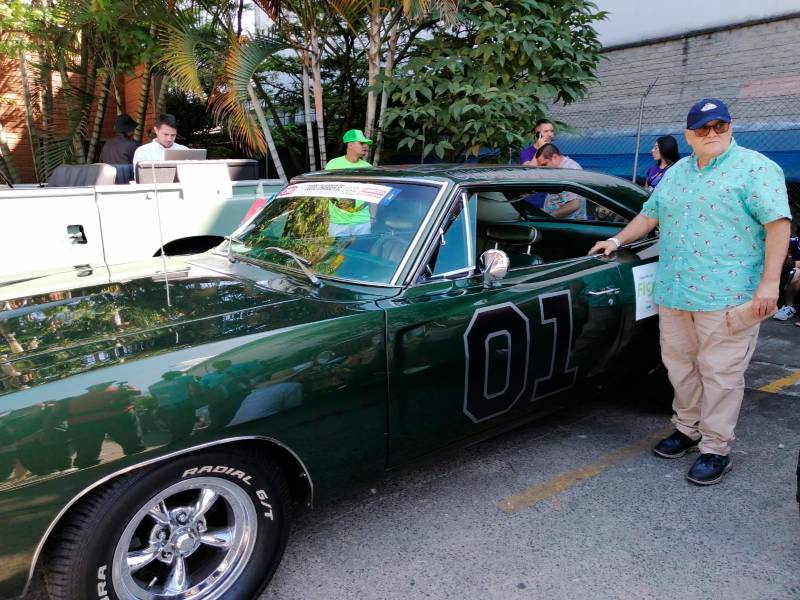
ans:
(712, 228)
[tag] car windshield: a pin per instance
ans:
(344, 229)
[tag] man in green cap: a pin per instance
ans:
(357, 146)
(350, 217)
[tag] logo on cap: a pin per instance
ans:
(708, 106)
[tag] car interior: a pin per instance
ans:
(509, 221)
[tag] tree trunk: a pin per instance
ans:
(161, 100)
(8, 160)
(374, 63)
(262, 120)
(144, 94)
(11, 340)
(317, 78)
(74, 113)
(89, 89)
(30, 123)
(118, 96)
(89, 66)
(99, 117)
(312, 156)
(387, 69)
(141, 107)
(279, 126)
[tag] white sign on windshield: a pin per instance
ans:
(366, 192)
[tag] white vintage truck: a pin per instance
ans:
(85, 230)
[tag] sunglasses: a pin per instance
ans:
(718, 127)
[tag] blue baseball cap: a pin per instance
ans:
(706, 110)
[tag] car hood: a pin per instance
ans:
(48, 336)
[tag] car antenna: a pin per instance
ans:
(160, 233)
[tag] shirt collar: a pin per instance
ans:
(716, 160)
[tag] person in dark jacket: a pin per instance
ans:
(119, 149)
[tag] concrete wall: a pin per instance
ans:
(633, 21)
(754, 67)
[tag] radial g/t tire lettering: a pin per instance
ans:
(203, 526)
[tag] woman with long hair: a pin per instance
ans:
(665, 153)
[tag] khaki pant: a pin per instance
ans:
(706, 366)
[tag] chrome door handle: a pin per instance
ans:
(76, 234)
(604, 292)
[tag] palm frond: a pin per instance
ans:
(445, 10)
(271, 7)
(351, 10)
(186, 51)
(230, 103)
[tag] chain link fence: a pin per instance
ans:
(603, 138)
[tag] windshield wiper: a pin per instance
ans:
(301, 262)
(230, 239)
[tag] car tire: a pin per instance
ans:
(206, 526)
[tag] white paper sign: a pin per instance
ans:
(205, 181)
(644, 281)
(366, 192)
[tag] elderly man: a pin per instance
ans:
(166, 130)
(724, 219)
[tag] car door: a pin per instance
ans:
(464, 358)
(50, 231)
(635, 350)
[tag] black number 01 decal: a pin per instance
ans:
(497, 349)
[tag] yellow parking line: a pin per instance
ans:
(773, 387)
(569, 479)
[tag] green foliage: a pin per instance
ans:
(67, 44)
(485, 81)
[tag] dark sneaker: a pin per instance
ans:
(708, 469)
(675, 446)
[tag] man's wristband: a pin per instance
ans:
(617, 243)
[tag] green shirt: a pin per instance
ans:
(711, 253)
(341, 162)
(359, 213)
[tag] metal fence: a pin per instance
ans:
(603, 137)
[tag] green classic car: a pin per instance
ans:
(158, 432)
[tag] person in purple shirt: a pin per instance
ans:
(543, 133)
(665, 153)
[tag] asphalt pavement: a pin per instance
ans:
(574, 506)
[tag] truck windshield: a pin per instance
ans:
(344, 229)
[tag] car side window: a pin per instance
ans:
(542, 224)
(456, 251)
(554, 203)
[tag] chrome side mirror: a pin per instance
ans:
(495, 266)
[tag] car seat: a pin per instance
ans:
(516, 240)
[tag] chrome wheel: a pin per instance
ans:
(192, 540)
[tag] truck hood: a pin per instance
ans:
(49, 336)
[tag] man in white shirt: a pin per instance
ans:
(166, 128)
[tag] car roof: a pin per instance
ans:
(615, 188)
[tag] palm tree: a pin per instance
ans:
(382, 15)
(310, 16)
(188, 51)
